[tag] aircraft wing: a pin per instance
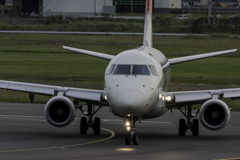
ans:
(198, 97)
(90, 53)
(199, 56)
(81, 94)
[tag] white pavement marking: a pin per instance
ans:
(21, 116)
(117, 120)
(237, 158)
(105, 120)
(154, 122)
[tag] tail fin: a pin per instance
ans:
(147, 37)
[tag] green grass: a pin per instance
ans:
(40, 58)
(223, 71)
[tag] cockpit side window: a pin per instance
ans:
(122, 69)
(140, 70)
(153, 70)
(110, 70)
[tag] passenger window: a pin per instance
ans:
(140, 70)
(110, 70)
(122, 69)
(153, 70)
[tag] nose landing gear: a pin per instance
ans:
(131, 136)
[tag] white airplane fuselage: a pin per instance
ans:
(140, 91)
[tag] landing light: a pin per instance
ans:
(163, 98)
(128, 128)
(105, 97)
(160, 96)
(127, 124)
(168, 98)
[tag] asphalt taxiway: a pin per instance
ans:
(25, 134)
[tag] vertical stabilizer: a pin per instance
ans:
(147, 37)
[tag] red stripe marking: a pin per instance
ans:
(149, 7)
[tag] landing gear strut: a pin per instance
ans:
(190, 125)
(131, 136)
(86, 124)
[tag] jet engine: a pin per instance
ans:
(214, 114)
(60, 111)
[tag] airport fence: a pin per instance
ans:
(107, 24)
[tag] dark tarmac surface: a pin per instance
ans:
(25, 134)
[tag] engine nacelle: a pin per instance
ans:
(214, 114)
(60, 111)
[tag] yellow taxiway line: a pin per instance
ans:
(55, 147)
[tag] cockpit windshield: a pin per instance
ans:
(122, 69)
(110, 70)
(153, 70)
(140, 70)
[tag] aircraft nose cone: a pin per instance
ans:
(129, 101)
(129, 94)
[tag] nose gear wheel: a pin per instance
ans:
(131, 136)
(135, 139)
(128, 139)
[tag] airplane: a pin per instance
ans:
(135, 88)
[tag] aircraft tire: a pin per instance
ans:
(135, 139)
(96, 126)
(182, 127)
(83, 126)
(128, 139)
(195, 127)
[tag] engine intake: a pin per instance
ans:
(214, 114)
(60, 111)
